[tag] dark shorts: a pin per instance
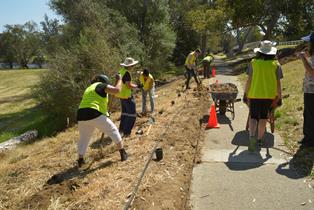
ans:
(259, 108)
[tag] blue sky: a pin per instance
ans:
(21, 11)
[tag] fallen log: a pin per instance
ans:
(11, 143)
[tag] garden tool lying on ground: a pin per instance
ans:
(150, 121)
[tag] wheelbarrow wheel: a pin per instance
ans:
(222, 107)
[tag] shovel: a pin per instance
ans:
(150, 121)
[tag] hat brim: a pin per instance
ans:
(306, 38)
(130, 64)
(273, 51)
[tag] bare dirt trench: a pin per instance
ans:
(44, 174)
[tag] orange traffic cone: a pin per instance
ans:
(212, 120)
(214, 71)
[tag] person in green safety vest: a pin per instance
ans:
(128, 106)
(206, 65)
(93, 113)
(147, 80)
(262, 90)
(190, 66)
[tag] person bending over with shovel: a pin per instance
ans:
(190, 66)
(93, 113)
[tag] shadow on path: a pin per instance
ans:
(246, 160)
(241, 138)
(300, 166)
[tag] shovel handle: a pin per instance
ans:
(150, 126)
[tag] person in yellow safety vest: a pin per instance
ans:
(190, 66)
(206, 65)
(148, 83)
(262, 90)
(128, 106)
(93, 113)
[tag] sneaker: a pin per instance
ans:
(123, 154)
(80, 162)
(252, 144)
(260, 142)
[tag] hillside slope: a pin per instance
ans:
(44, 175)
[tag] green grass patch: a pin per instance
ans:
(19, 111)
(285, 46)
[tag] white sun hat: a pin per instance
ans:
(266, 47)
(309, 38)
(129, 62)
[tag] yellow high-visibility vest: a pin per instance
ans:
(94, 101)
(208, 58)
(264, 79)
(190, 59)
(125, 92)
(148, 84)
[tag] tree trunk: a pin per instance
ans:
(269, 27)
(204, 43)
(241, 41)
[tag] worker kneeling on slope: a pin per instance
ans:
(93, 113)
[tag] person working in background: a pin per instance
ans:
(147, 81)
(308, 88)
(93, 113)
(128, 106)
(206, 65)
(190, 66)
(263, 90)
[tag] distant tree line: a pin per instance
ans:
(96, 35)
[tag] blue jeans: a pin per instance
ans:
(128, 115)
(151, 94)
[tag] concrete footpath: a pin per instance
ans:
(229, 177)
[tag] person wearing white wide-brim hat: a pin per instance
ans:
(308, 88)
(266, 48)
(262, 90)
(128, 106)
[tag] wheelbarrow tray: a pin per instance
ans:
(224, 91)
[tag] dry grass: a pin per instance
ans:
(44, 175)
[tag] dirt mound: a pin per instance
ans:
(44, 175)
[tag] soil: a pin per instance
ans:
(44, 175)
(223, 88)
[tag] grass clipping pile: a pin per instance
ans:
(43, 175)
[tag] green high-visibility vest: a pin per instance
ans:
(264, 79)
(94, 101)
(208, 58)
(125, 90)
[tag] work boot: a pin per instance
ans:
(260, 142)
(80, 162)
(123, 154)
(252, 144)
